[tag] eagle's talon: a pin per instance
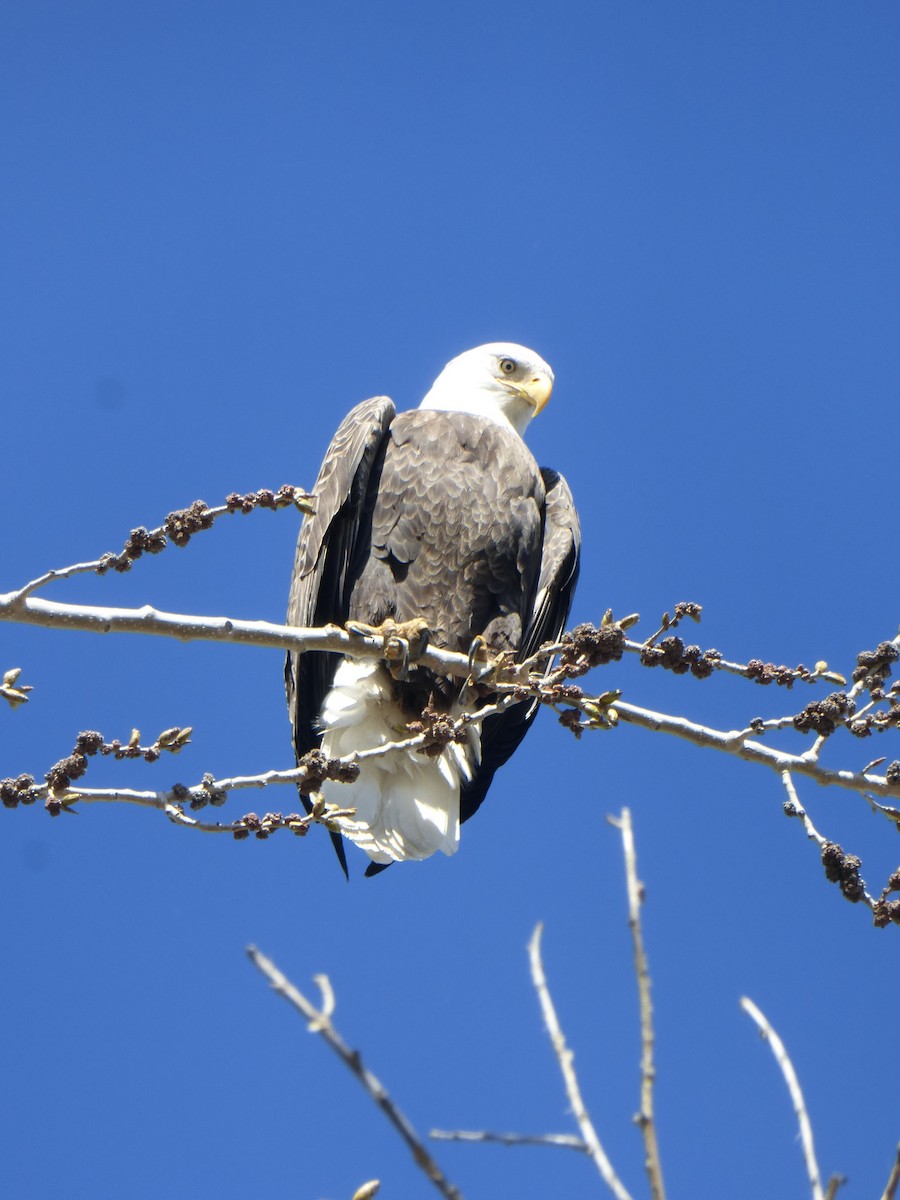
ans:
(415, 634)
(404, 641)
(478, 649)
(396, 653)
(359, 629)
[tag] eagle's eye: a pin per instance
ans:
(507, 366)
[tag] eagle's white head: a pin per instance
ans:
(502, 381)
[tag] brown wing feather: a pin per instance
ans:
(456, 531)
(501, 735)
(559, 565)
(326, 546)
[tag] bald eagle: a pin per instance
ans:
(442, 514)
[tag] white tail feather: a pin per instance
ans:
(406, 804)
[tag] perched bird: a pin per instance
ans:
(441, 515)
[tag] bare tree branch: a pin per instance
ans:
(567, 1141)
(565, 1058)
(184, 627)
(320, 1022)
(645, 1118)
(737, 742)
(510, 683)
(147, 620)
(545, 677)
(796, 1094)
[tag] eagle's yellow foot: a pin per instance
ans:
(485, 668)
(404, 641)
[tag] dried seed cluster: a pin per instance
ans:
(89, 743)
(20, 790)
(587, 646)
(766, 673)
(672, 654)
(264, 498)
(262, 827)
(317, 768)
(843, 869)
(824, 716)
(180, 526)
(208, 794)
(439, 729)
(874, 666)
(570, 718)
(888, 911)
(686, 608)
(140, 541)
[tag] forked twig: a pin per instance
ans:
(320, 1022)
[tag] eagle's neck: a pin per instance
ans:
(493, 404)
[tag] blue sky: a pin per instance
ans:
(223, 224)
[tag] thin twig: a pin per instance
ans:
(172, 801)
(565, 1058)
(794, 800)
(566, 1140)
(179, 527)
(320, 1023)
(717, 663)
(890, 1188)
(738, 743)
(796, 809)
(796, 1094)
(645, 1118)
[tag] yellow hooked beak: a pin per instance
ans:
(536, 391)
